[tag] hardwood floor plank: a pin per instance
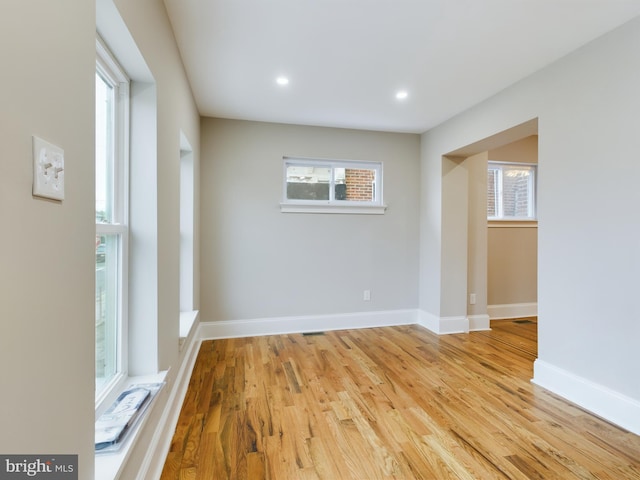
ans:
(324, 460)
(387, 403)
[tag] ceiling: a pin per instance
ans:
(347, 59)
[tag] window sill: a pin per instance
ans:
(109, 464)
(512, 223)
(341, 209)
(187, 321)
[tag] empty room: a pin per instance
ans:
(324, 240)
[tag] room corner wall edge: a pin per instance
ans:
(444, 325)
(479, 322)
(597, 399)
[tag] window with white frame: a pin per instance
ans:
(111, 188)
(342, 186)
(511, 191)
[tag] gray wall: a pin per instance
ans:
(588, 265)
(258, 262)
(149, 25)
(47, 249)
(47, 252)
(155, 345)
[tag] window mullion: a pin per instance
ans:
(122, 163)
(111, 229)
(532, 194)
(332, 184)
(499, 193)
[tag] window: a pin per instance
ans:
(187, 190)
(511, 189)
(186, 224)
(332, 186)
(112, 125)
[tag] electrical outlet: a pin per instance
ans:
(472, 299)
(48, 170)
(367, 295)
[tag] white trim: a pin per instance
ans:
(109, 466)
(509, 223)
(111, 229)
(113, 75)
(455, 324)
(332, 208)
(187, 322)
(512, 164)
(499, 167)
(304, 324)
(513, 310)
(598, 399)
(443, 325)
(156, 453)
(479, 322)
(429, 321)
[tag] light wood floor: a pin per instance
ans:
(382, 403)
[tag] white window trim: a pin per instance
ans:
(108, 65)
(532, 193)
(376, 207)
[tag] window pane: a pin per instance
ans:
(104, 150)
(106, 308)
(492, 192)
(308, 183)
(516, 183)
(359, 185)
(511, 191)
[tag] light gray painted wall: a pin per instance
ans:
(47, 251)
(148, 24)
(589, 261)
(258, 262)
(176, 111)
(476, 166)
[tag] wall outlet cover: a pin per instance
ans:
(48, 170)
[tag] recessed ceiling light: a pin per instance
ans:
(402, 94)
(282, 81)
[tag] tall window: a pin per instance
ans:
(186, 224)
(511, 189)
(111, 184)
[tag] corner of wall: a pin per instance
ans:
(598, 399)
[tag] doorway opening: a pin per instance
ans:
(501, 256)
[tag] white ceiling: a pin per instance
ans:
(346, 59)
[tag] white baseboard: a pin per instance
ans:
(453, 325)
(599, 400)
(479, 322)
(513, 310)
(429, 321)
(304, 324)
(443, 325)
(153, 463)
